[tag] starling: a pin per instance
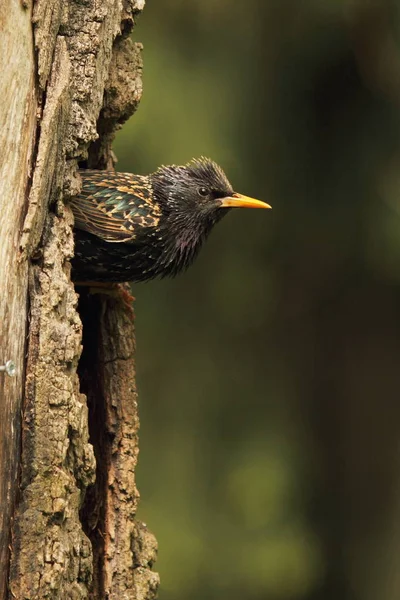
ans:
(136, 227)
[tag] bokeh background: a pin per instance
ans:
(269, 373)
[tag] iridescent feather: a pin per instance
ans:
(113, 206)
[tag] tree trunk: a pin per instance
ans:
(67, 479)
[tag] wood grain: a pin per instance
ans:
(17, 137)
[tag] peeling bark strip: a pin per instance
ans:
(63, 546)
(124, 549)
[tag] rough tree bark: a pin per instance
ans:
(67, 465)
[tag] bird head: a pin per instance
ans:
(192, 199)
(197, 194)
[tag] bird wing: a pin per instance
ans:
(115, 206)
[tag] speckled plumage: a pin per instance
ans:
(136, 227)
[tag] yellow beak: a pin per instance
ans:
(239, 200)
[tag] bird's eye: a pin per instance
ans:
(203, 191)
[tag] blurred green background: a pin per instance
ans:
(269, 373)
